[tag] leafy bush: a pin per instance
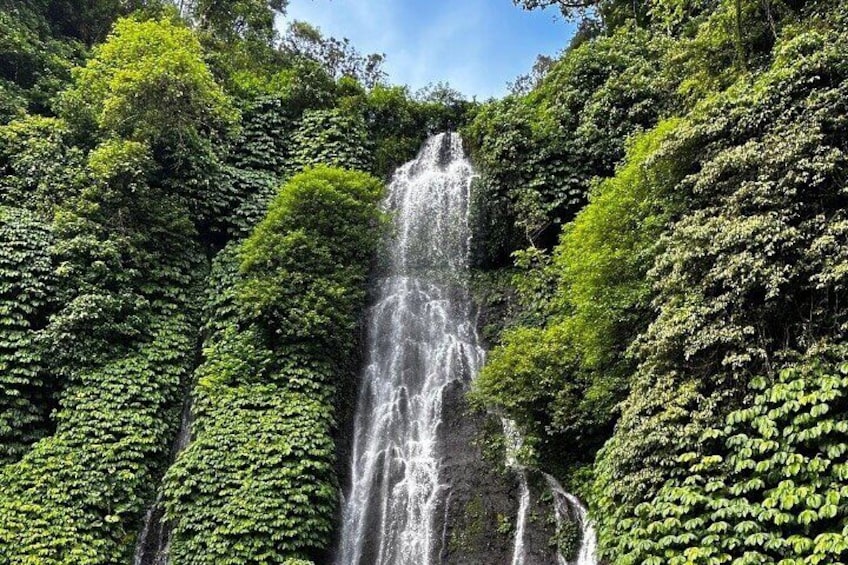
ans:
(258, 479)
(148, 80)
(77, 496)
(125, 263)
(34, 64)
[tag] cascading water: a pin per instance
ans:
(514, 442)
(155, 538)
(422, 339)
(567, 506)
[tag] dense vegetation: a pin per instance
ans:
(171, 226)
(672, 191)
(282, 320)
(188, 209)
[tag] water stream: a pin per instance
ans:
(568, 507)
(514, 443)
(155, 537)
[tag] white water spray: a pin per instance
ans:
(514, 442)
(422, 339)
(567, 507)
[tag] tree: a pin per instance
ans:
(751, 276)
(90, 21)
(569, 8)
(337, 56)
(613, 13)
(148, 83)
(34, 63)
(526, 83)
(234, 20)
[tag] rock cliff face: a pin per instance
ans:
(480, 511)
(481, 506)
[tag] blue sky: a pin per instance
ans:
(475, 45)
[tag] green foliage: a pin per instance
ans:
(562, 382)
(90, 21)
(748, 277)
(122, 344)
(293, 281)
(26, 296)
(258, 480)
(111, 241)
(539, 152)
(735, 37)
(333, 138)
(77, 495)
(39, 166)
(337, 56)
(603, 254)
(613, 11)
(263, 143)
(34, 65)
(148, 82)
(300, 85)
(712, 254)
(567, 539)
(124, 262)
(238, 20)
(767, 487)
(396, 122)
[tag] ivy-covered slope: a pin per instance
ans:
(26, 294)
(677, 357)
(125, 262)
(748, 281)
(257, 481)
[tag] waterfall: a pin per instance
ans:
(514, 442)
(566, 505)
(421, 339)
(154, 541)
